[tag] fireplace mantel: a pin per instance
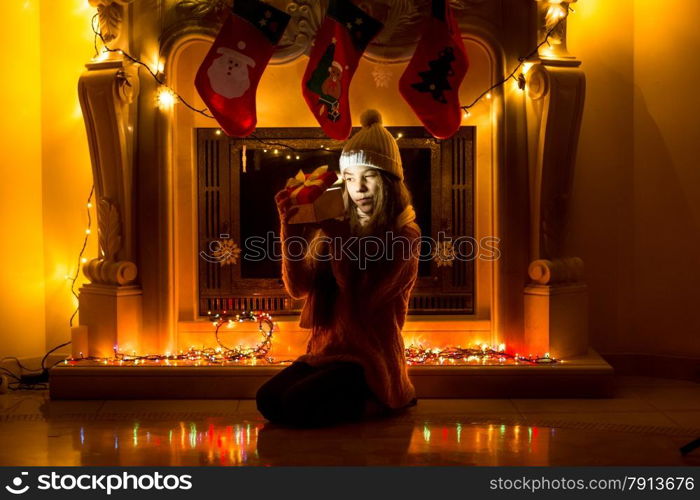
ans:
(533, 298)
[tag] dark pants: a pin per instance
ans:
(302, 395)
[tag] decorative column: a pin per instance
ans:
(556, 297)
(110, 305)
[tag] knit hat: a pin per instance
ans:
(372, 146)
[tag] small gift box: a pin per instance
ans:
(315, 198)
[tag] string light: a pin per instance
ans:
(154, 74)
(266, 326)
(219, 355)
(165, 98)
(74, 278)
(523, 60)
(481, 353)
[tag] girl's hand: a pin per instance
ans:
(285, 209)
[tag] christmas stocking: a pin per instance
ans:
(228, 78)
(430, 84)
(342, 38)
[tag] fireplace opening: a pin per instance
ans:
(238, 178)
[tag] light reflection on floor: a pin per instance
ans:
(645, 424)
(394, 442)
(258, 443)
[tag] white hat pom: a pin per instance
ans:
(369, 117)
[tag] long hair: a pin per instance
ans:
(391, 200)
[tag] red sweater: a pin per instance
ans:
(357, 314)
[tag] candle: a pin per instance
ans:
(79, 341)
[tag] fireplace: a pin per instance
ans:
(238, 178)
(505, 176)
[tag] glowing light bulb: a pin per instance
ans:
(87, 231)
(289, 157)
(103, 55)
(466, 114)
(89, 205)
(276, 151)
(83, 260)
(297, 157)
(399, 135)
(165, 98)
(488, 95)
(218, 131)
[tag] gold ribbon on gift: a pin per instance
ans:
(300, 181)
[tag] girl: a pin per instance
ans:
(355, 365)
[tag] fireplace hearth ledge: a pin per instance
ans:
(586, 376)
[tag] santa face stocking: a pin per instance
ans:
(228, 78)
(430, 83)
(342, 38)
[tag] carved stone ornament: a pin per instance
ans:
(553, 16)
(554, 114)
(549, 272)
(396, 41)
(203, 8)
(108, 270)
(110, 16)
(106, 90)
(109, 229)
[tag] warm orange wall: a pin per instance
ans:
(666, 176)
(601, 35)
(636, 203)
(45, 168)
(21, 251)
(66, 45)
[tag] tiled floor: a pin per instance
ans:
(644, 424)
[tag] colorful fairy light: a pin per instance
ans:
(421, 355)
(224, 354)
(216, 356)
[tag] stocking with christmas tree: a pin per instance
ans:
(342, 38)
(430, 83)
(227, 79)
